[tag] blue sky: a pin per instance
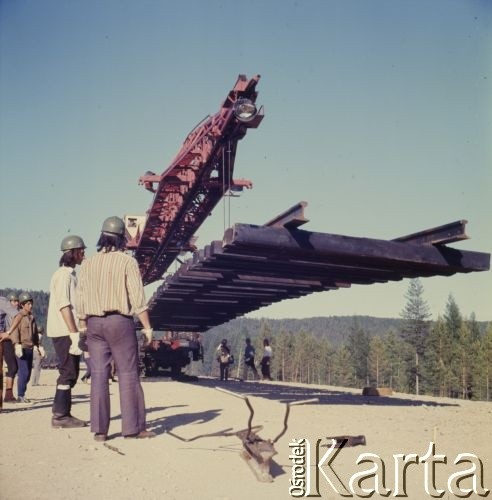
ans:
(378, 114)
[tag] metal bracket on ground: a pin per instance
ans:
(258, 452)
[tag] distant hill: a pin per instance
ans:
(334, 328)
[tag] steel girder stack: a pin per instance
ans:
(255, 266)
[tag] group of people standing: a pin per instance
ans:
(226, 359)
(20, 345)
(93, 312)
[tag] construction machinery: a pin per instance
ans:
(199, 176)
(254, 266)
(173, 352)
(184, 195)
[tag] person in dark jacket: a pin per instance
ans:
(249, 361)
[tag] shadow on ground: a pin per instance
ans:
(289, 394)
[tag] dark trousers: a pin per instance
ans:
(68, 364)
(224, 371)
(114, 337)
(10, 358)
(265, 368)
(24, 374)
(250, 364)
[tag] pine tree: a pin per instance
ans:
(358, 347)
(283, 348)
(312, 359)
(396, 352)
(464, 355)
(454, 328)
(437, 360)
(481, 371)
(327, 362)
(452, 318)
(416, 327)
(302, 353)
(378, 362)
(475, 333)
(487, 352)
(343, 369)
(476, 361)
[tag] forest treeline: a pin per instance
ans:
(451, 356)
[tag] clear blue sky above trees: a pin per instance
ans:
(378, 114)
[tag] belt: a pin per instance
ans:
(111, 313)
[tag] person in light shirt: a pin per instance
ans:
(63, 329)
(265, 360)
(109, 294)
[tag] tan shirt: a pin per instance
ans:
(109, 282)
(26, 333)
(62, 294)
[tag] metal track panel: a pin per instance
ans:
(255, 266)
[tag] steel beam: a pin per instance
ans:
(332, 247)
(257, 266)
(448, 233)
(291, 218)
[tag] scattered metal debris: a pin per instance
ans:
(345, 441)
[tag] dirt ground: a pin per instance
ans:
(196, 453)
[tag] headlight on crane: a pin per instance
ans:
(245, 110)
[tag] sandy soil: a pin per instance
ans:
(39, 462)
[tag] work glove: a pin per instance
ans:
(148, 335)
(18, 350)
(74, 348)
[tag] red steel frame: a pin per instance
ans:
(190, 188)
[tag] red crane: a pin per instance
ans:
(189, 189)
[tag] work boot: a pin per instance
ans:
(9, 396)
(67, 422)
(23, 399)
(141, 435)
